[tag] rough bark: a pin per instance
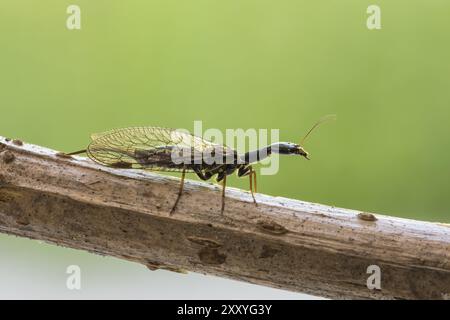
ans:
(282, 243)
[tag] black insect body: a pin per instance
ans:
(164, 149)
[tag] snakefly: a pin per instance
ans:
(153, 148)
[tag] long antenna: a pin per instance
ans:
(326, 118)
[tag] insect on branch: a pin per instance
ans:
(282, 243)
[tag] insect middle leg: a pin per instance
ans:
(204, 176)
(221, 176)
(180, 191)
(252, 186)
(223, 194)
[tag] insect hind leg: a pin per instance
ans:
(180, 192)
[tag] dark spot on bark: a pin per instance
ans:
(17, 142)
(268, 252)
(7, 139)
(366, 216)
(24, 221)
(154, 265)
(8, 157)
(272, 227)
(211, 256)
(210, 243)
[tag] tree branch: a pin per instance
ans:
(282, 243)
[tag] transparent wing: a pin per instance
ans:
(147, 148)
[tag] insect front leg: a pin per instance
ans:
(248, 171)
(244, 171)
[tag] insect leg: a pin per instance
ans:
(248, 171)
(183, 174)
(220, 176)
(223, 194)
(254, 177)
(244, 171)
(204, 176)
(250, 176)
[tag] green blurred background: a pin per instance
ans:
(248, 64)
